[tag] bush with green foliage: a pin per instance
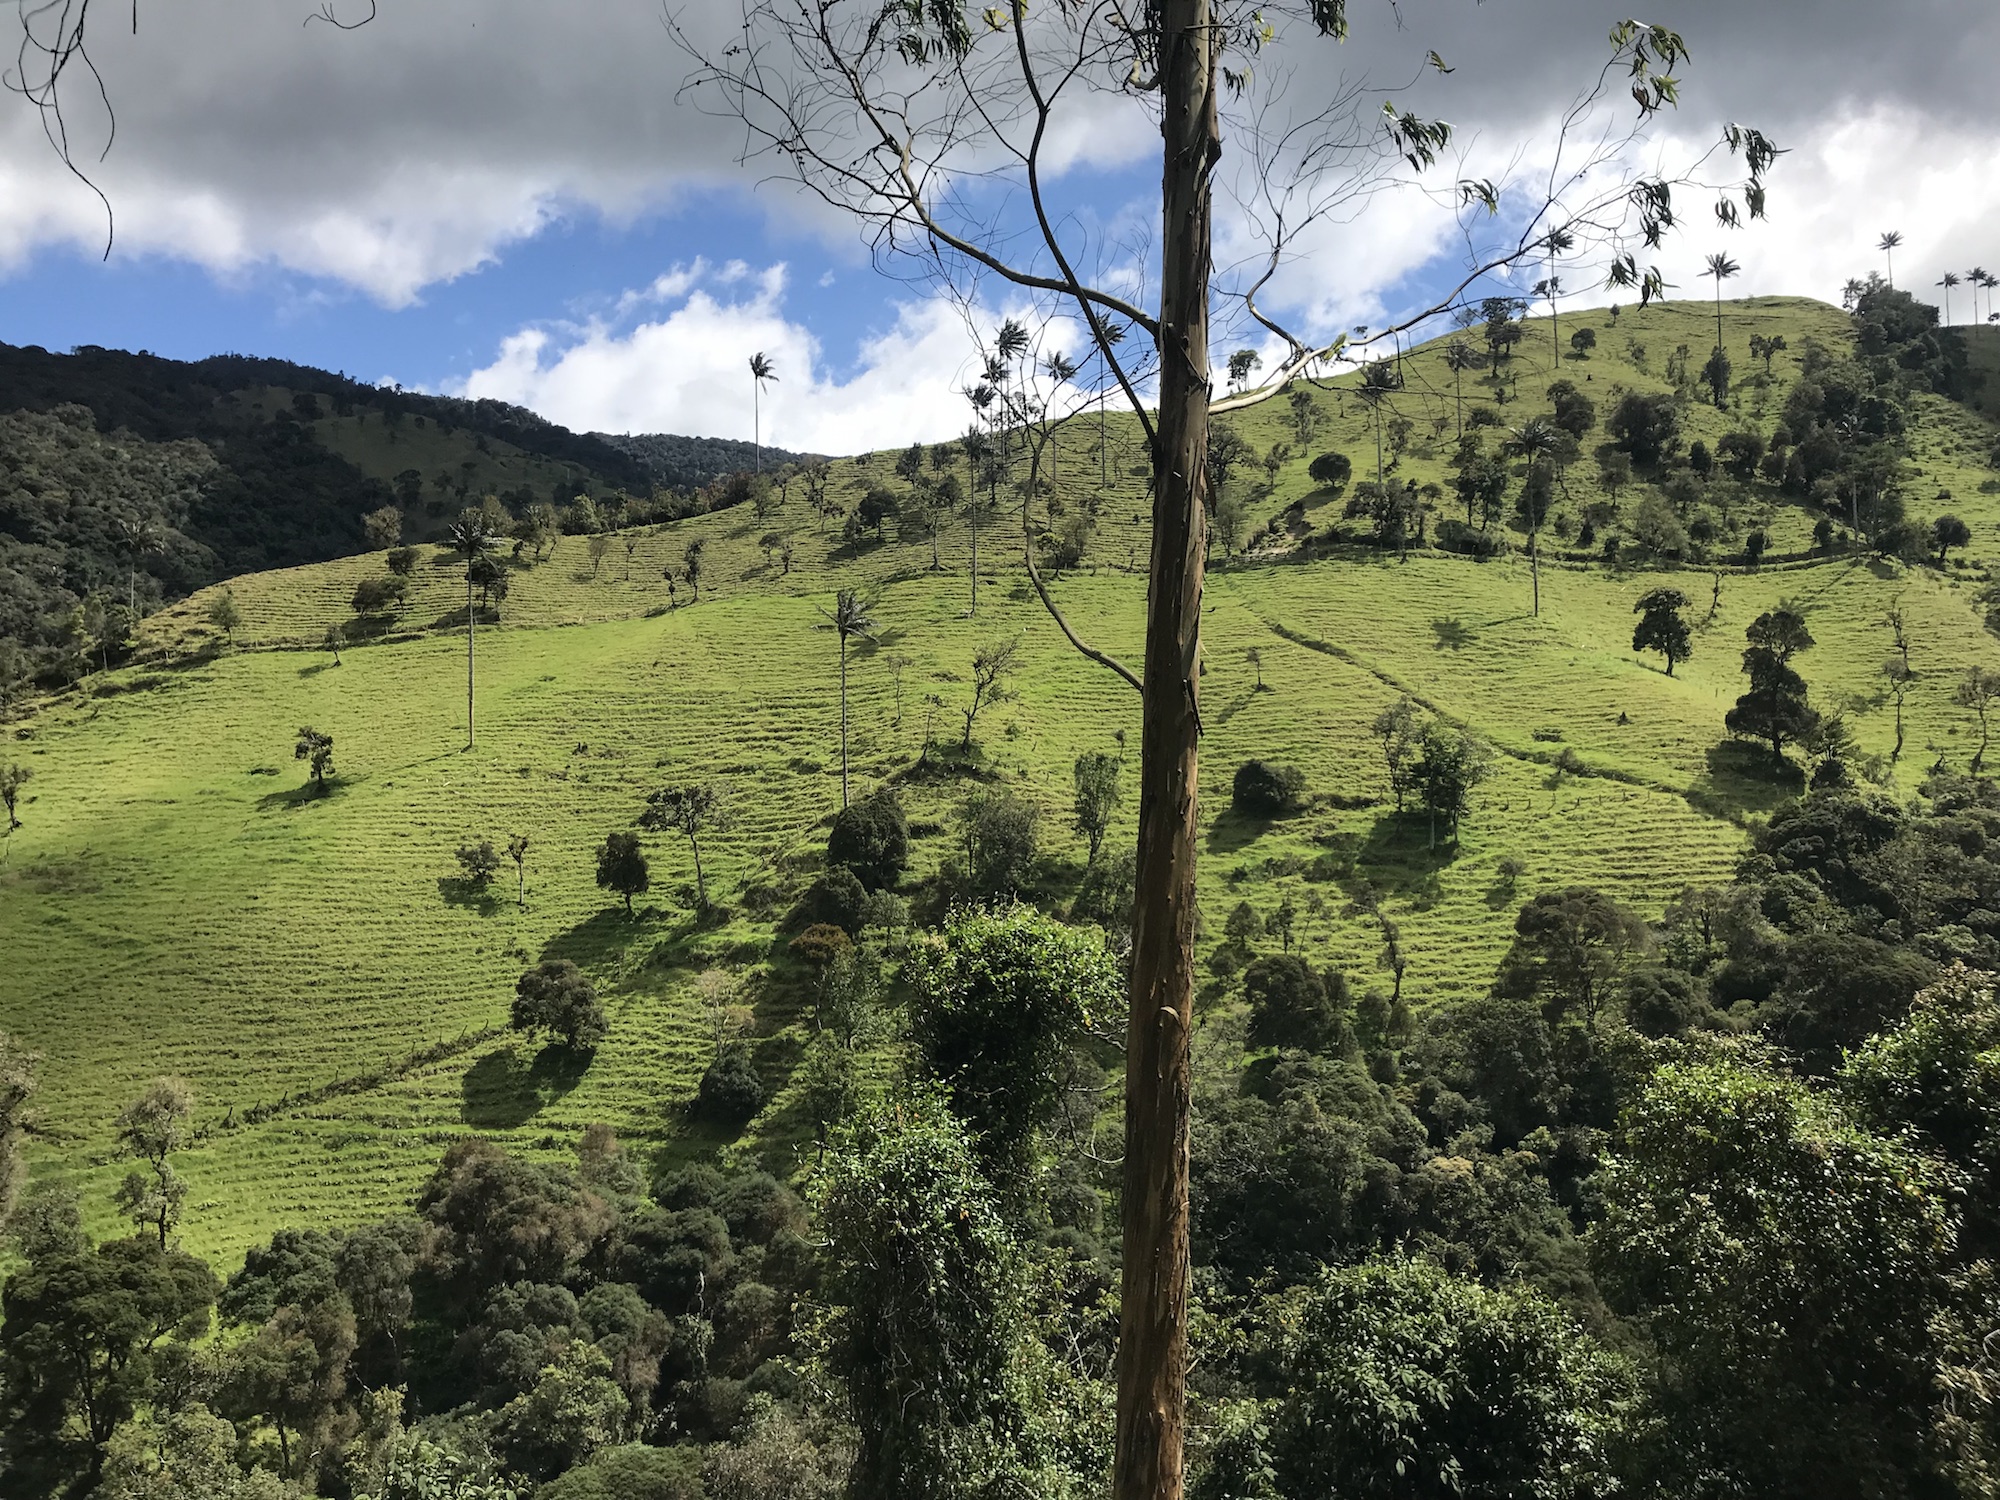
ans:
(871, 837)
(1397, 1378)
(999, 840)
(554, 998)
(1262, 789)
(731, 1090)
(1792, 1269)
(1292, 1006)
(997, 1002)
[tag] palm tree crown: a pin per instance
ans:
(761, 370)
(1887, 245)
(1948, 281)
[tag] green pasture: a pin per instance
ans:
(176, 901)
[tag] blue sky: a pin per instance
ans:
(493, 197)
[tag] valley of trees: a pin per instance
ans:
(1080, 1187)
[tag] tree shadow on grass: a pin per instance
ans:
(1396, 859)
(458, 891)
(293, 798)
(1234, 829)
(1742, 779)
(1452, 633)
(503, 1089)
(598, 938)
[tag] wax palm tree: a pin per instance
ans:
(1060, 372)
(1114, 335)
(1948, 281)
(1887, 245)
(1721, 267)
(761, 370)
(1558, 241)
(1460, 356)
(1978, 278)
(848, 618)
(472, 538)
(1538, 440)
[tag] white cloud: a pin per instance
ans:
(688, 371)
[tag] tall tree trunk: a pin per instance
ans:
(468, 655)
(1152, 1343)
(843, 722)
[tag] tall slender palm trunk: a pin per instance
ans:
(468, 655)
(843, 721)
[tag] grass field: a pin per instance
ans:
(175, 902)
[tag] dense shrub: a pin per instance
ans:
(1291, 1006)
(1264, 790)
(731, 1092)
(838, 899)
(871, 838)
(1454, 535)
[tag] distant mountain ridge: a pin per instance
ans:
(135, 478)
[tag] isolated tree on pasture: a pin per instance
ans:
(554, 999)
(1398, 729)
(761, 370)
(622, 867)
(472, 537)
(843, 124)
(1948, 281)
(1331, 471)
(1887, 245)
(150, 1130)
(315, 748)
(1537, 440)
(1305, 413)
(691, 556)
(599, 548)
(991, 665)
(1255, 657)
(1097, 797)
(333, 640)
(1767, 349)
(1242, 364)
(1775, 709)
(1449, 765)
(383, 528)
(1460, 356)
(13, 776)
(517, 850)
(224, 614)
(1662, 627)
(1948, 532)
(694, 812)
(479, 863)
(848, 619)
(1978, 690)
(1583, 341)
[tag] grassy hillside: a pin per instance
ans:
(175, 902)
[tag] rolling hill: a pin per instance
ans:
(177, 901)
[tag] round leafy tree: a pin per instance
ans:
(1264, 790)
(872, 838)
(555, 999)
